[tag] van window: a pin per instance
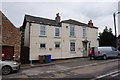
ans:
(113, 48)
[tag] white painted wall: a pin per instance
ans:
(92, 35)
(64, 50)
(66, 42)
(35, 41)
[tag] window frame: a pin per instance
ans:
(56, 44)
(84, 32)
(72, 32)
(44, 44)
(72, 46)
(43, 31)
(58, 33)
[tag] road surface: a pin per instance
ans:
(77, 69)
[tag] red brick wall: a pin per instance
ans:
(11, 36)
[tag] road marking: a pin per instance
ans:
(115, 75)
(105, 75)
(94, 64)
(50, 71)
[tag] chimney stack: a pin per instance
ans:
(90, 23)
(57, 18)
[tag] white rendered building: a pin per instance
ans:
(61, 39)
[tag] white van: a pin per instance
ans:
(103, 52)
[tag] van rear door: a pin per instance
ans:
(96, 51)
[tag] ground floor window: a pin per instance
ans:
(42, 45)
(72, 46)
(57, 44)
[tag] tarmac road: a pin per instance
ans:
(76, 68)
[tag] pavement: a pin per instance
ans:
(27, 66)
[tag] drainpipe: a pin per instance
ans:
(29, 43)
(61, 41)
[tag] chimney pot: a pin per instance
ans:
(57, 18)
(90, 23)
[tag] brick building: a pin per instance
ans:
(10, 38)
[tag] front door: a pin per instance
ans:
(85, 49)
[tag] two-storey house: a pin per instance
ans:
(61, 39)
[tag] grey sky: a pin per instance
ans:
(99, 12)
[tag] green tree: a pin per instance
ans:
(107, 38)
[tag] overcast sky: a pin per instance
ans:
(101, 13)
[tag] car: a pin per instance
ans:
(9, 66)
(103, 52)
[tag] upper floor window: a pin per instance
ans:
(84, 32)
(57, 32)
(72, 31)
(42, 30)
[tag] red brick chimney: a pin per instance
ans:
(90, 23)
(57, 18)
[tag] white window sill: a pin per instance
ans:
(72, 36)
(42, 48)
(57, 48)
(42, 36)
(57, 37)
(72, 52)
(84, 37)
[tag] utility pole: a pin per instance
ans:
(114, 14)
(115, 24)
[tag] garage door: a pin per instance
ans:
(8, 51)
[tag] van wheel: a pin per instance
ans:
(95, 58)
(90, 58)
(105, 57)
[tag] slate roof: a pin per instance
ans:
(39, 20)
(70, 21)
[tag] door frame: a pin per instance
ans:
(85, 49)
(7, 46)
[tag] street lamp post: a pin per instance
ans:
(115, 24)
(114, 14)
